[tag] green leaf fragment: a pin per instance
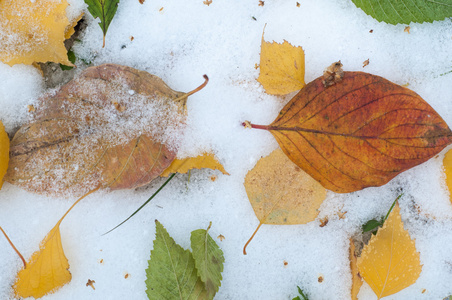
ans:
(172, 273)
(105, 10)
(71, 57)
(371, 225)
(209, 260)
(406, 11)
(300, 291)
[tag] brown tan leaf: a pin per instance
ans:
(79, 141)
(281, 193)
(360, 132)
(282, 67)
(390, 262)
(203, 161)
(33, 31)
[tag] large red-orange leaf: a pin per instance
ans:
(358, 133)
(107, 128)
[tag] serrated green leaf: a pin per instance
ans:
(406, 11)
(371, 225)
(209, 260)
(171, 273)
(105, 10)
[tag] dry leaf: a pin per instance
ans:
(358, 133)
(281, 193)
(407, 29)
(390, 262)
(366, 63)
(357, 282)
(281, 68)
(33, 31)
(47, 269)
(91, 283)
(4, 152)
(447, 163)
(79, 140)
(204, 161)
(333, 74)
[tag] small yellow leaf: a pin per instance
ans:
(390, 262)
(47, 269)
(281, 193)
(281, 68)
(447, 163)
(33, 31)
(357, 282)
(204, 161)
(4, 152)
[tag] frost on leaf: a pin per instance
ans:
(281, 193)
(203, 161)
(79, 140)
(34, 31)
(390, 262)
(4, 152)
(282, 68)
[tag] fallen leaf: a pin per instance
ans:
(204, 161)
(207, 2)
(33, 31)
(324, 221)
(333, 74)
(4, 152)
(172, 273)
(221, 237)
(359, 133)
(281, 68)
(357, 282)
(209, 259)
(261, 3)
(366, 63)
(390, 262)
(91, 283)
(79, 141)
(48, 268)
(298, 4)
(281, 193)
(407, 29)
(70, 30)
(105, 10)
(447, 163)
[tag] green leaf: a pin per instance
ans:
(300, 291)
(104, 10)
(208, 259)
(171, 273)
(406, 11)
(371, 225)
(71, 57)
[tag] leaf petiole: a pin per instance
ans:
(14, 247)
(147, 201)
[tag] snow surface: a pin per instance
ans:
(180, 41)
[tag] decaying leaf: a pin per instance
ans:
(333, 74)
(34, 31)
(209, 260)
(172, 273)
(357, 282)
(358, 133)
(203, 161)
(105, 10)
(281, 193)
(447, 163)
(4, 152)
(281, 67)
(79, 140)
(390, 262)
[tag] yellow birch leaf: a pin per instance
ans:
(4, 152)
(357, 282)
(204, 161)
(447, 163)
(390, 262)
(70, 30)
(281, 193)
(33, 31)
(48, 268)
(281, 68)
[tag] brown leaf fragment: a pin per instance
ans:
(360, 133)
(333, 74)
(341, 215)
(366, 63)
(407, 29)
(261, 3)
(371, 31)
(285, 264)
(320, 279)
(298, 4)
(91, 283)
(323, 221)
(79, 141)
(207, 2)
(221, 237)
(141, 1)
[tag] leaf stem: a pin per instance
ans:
(147, 201)
(392, 206)
(14, 247)
(186, 95)
(246, 124)
(254, 233)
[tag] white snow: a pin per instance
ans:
(180, 41)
